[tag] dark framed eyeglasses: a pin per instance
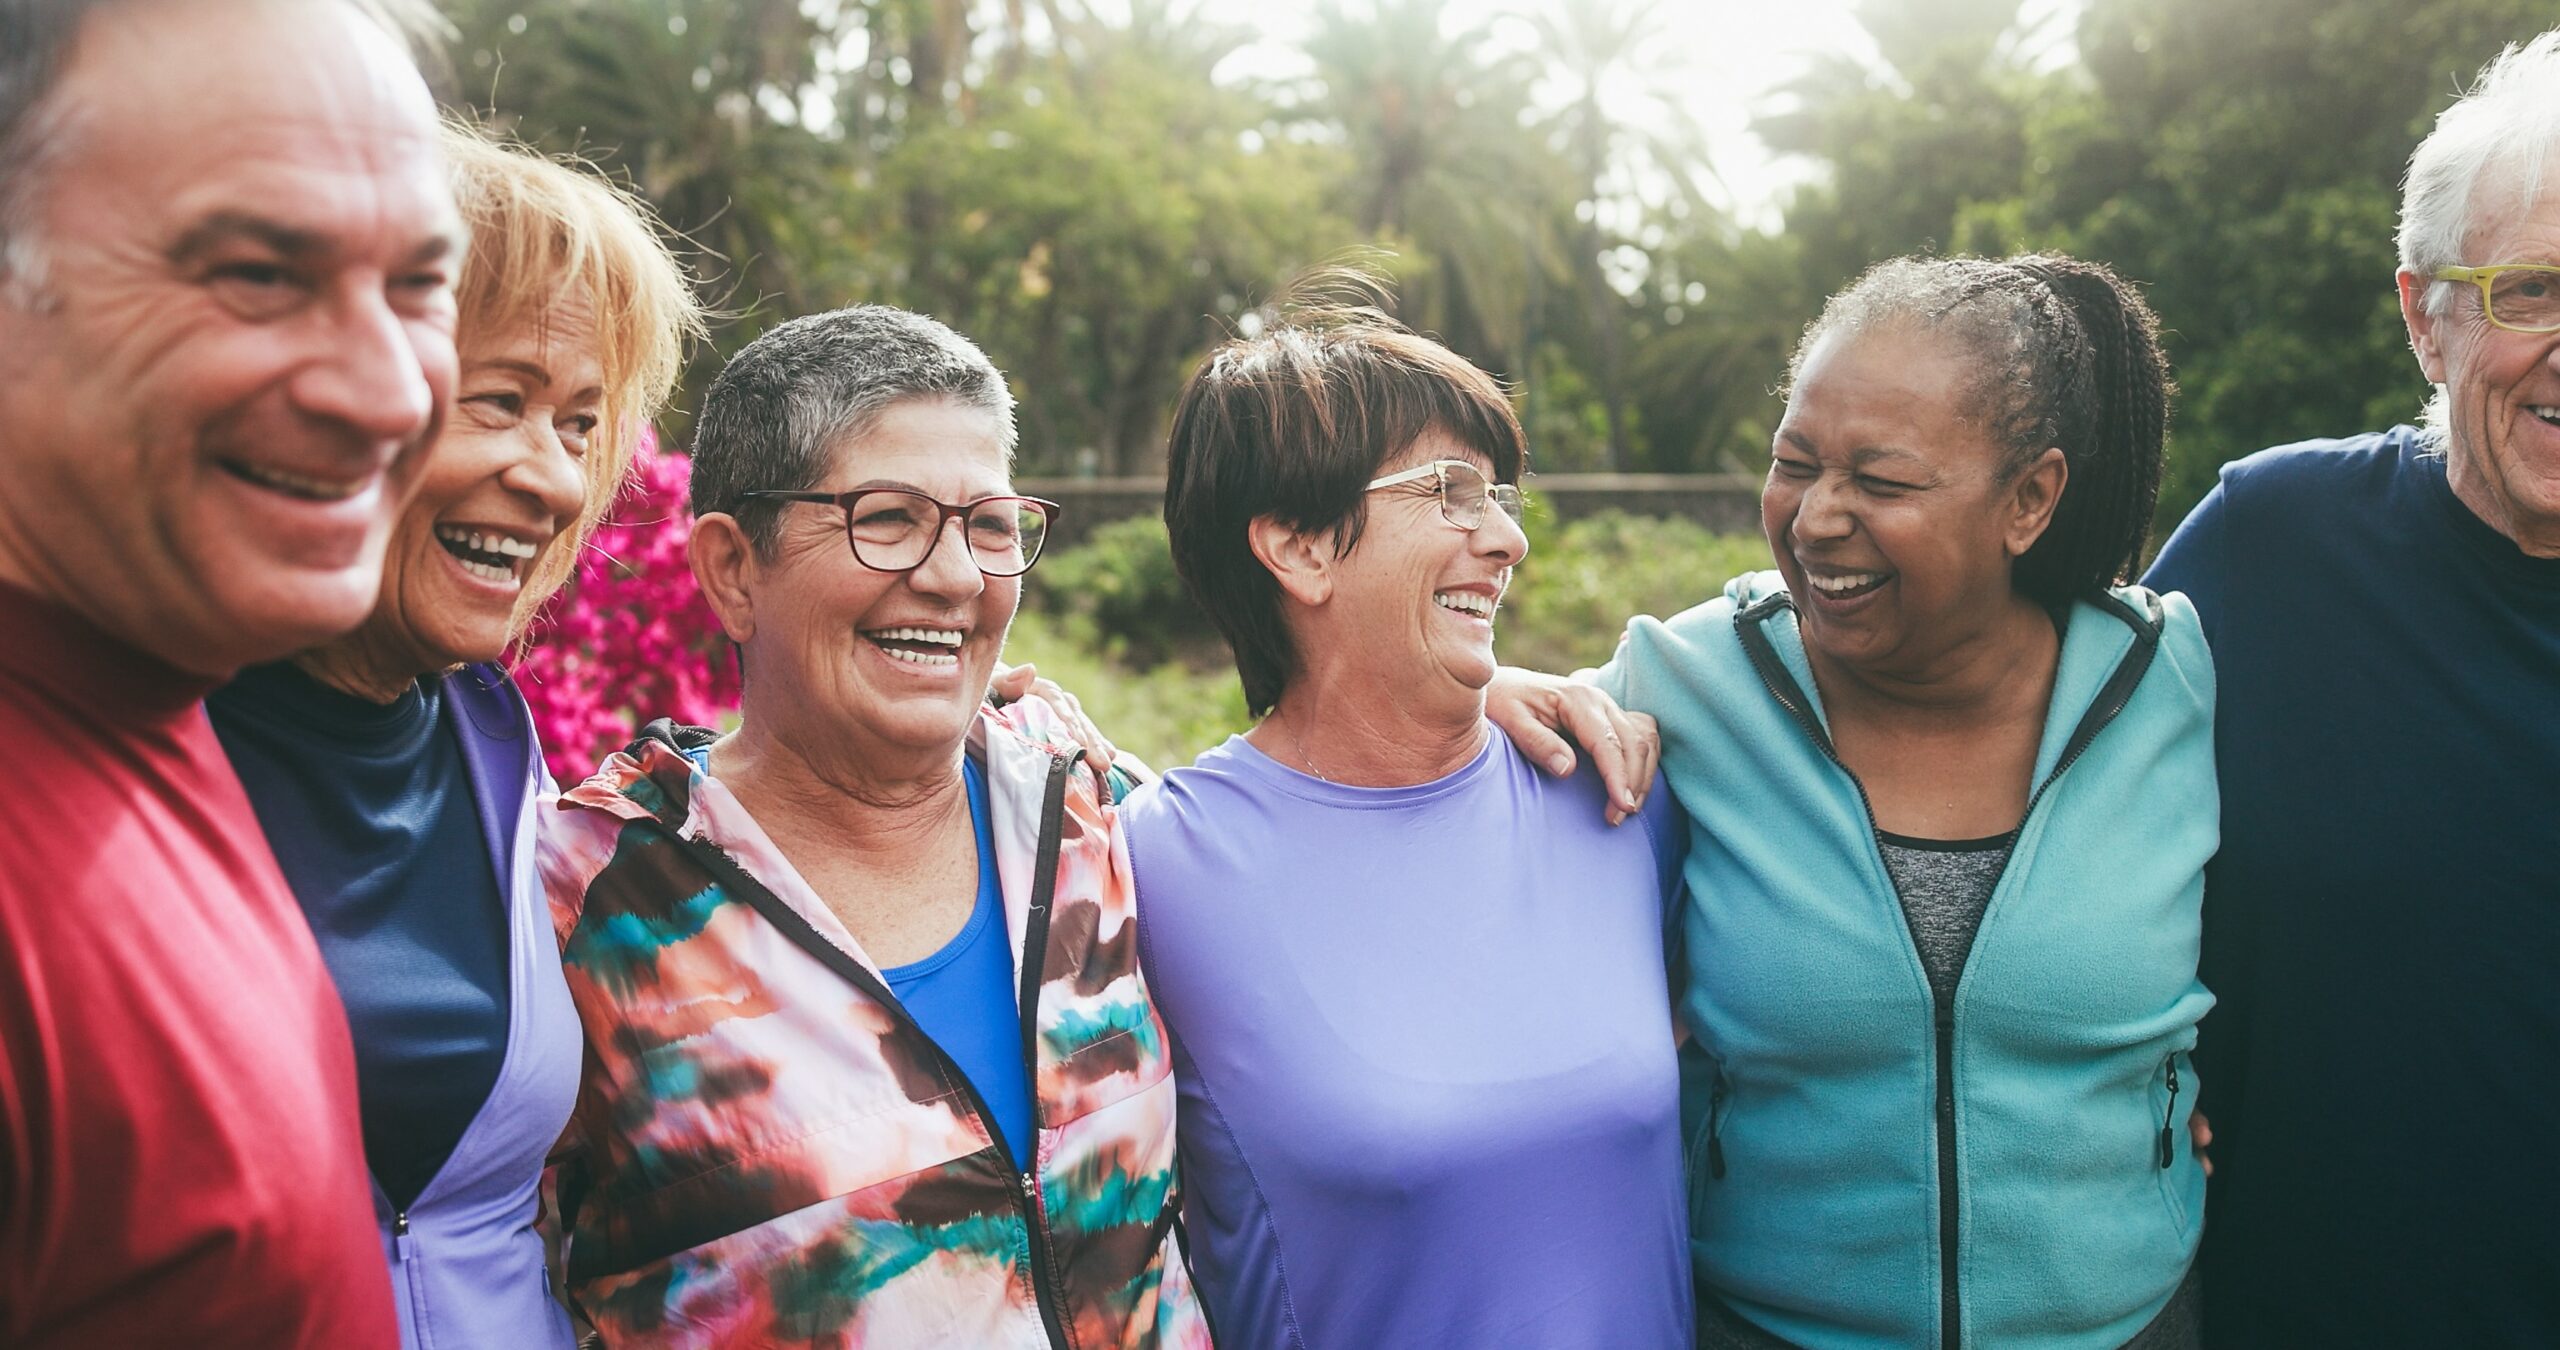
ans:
(895, 530)
(1463, 490)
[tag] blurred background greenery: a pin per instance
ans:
(1098, 190)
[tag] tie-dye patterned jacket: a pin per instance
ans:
(768, 1152)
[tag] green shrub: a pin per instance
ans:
(1121, 581)
(1165, 713)
(1584, 579)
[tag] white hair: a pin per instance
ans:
(2490, 151)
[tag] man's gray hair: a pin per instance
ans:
(36, 38)
(2491, 151)
(784, 406)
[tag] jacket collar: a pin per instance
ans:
(2107, 646)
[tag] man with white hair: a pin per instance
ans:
(225, 332)
(2382, 926)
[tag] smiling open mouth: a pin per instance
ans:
(293, 484)
(490, 557)
(1848, 586)
(2547, 412)
(918, 646)
(1468, 603)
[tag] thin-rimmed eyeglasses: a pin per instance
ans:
(1463, 490)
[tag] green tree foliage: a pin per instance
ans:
(1100, 226)
(1088, 188)
(2244, 162)
(2241, 161)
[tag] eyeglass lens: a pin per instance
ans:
(1464, 491)
(894, 531)
(2526, 298)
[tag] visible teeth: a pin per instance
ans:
(943, 637)
(1847, 583)
(1465, 602)
(317, 489)
(504, 576)
(2545, 411)
(923, 658)
(505, 546)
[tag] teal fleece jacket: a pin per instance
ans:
(1866, 1168)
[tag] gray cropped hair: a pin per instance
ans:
(36, 37)
(782, 407)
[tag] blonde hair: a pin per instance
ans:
(544, 232)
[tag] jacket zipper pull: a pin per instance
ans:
(1030, 1188)
(2168, 1137)
(1715, 1129)
(403, 1247)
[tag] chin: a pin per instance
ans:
(292, 612)
(922, 724)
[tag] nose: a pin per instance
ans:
(1500, 537)
(1822, 513)
(950, 572)
(374, 373)
(548, 473)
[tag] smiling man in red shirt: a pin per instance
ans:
(225, 330)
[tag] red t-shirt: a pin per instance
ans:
(180, 1160)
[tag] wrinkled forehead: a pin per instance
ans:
(231, 104)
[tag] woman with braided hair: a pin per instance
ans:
(1950, 787)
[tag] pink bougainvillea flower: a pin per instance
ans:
(630, 639)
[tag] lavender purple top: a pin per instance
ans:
(1423, 1037)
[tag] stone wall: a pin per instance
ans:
(1728, 503)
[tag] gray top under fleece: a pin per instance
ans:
(1945, 885)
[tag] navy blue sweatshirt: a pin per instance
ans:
(2382, 926)
(370, 812)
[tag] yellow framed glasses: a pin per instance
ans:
(2519, 297)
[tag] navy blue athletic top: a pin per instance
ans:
(2382, 926)
(963, 994)
(370, 812)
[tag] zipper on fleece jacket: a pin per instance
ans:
(1027, 1196)
(2168, 1139)
(1715, 1125)
(2111, 701)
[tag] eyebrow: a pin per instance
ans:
(1860, 457)
(888, 484)
(515, 366)
(295, 243)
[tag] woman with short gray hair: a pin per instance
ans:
(869, 1056)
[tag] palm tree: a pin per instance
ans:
(1444, 163)
(1648, 138)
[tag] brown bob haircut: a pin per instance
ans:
(1292, 423)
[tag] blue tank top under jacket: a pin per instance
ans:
(370, 811)
(963, 994)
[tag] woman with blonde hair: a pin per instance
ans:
(396, 770)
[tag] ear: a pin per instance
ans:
(2424, 328)
(2032, 499)
(724, 566)
(1300, 561)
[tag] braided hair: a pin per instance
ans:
(2064, 354)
